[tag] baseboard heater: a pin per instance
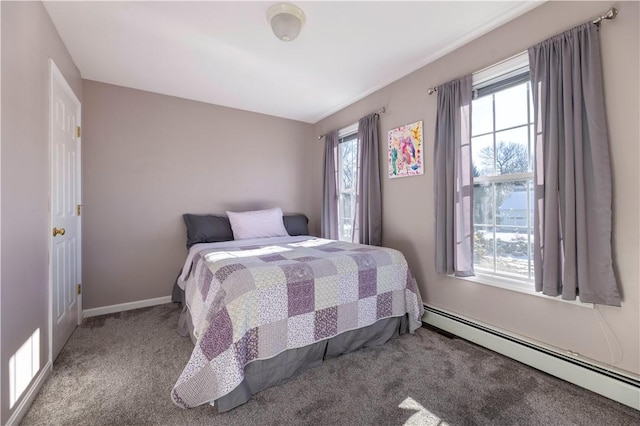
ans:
(611, 384)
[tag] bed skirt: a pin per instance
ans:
(263, 374)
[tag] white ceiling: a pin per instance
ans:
(224, 53)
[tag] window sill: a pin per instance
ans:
(518, 286)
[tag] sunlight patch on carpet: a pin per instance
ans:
(422, 416)
(23, 366)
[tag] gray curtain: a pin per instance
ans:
(453, 179)
(329, 219)
(368, 220)
(573, 174)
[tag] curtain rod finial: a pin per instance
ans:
(612, 13)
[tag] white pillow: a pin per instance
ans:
(257, 224)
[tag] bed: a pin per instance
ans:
(262, 310)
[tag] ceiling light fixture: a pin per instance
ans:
(286, 20)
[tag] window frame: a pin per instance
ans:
(346, 135)
(487, 82)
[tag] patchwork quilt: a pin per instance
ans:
(250, 302)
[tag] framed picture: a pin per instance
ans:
(405, 150)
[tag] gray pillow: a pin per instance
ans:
(209, 228)
(296, 224)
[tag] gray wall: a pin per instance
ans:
(408, 217)
(149, 158)
(29, 39)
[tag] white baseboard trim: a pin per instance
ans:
(121, 307)
(612, 384)
(30, 395)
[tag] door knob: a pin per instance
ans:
(57, 231)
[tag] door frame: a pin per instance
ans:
(56, 76)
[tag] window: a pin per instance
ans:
(502, 146)
(347, 181)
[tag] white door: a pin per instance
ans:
(64, 135)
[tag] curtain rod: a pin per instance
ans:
(380, 111)
(609, 14)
